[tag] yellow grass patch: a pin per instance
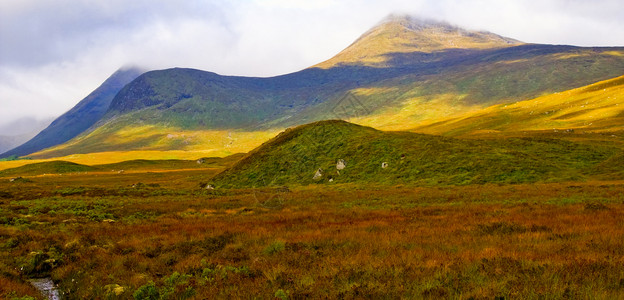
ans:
(119, 156)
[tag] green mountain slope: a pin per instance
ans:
(398, 74)
(78, 119)
(295, 156)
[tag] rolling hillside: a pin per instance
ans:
(399, 74)
(597, 108)
(296, 155)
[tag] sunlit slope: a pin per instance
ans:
(598, 108)
(153, 138)
(377, 157)
(513, 74)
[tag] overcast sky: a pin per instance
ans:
(55, 52)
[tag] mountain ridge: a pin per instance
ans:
(186, 109)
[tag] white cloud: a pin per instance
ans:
(54, 52)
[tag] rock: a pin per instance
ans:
(209, 187)
(318, 175)
(108, 221)
(384, 165)
(331, 180)
(201, 161)
(341, 164)
(121, 172)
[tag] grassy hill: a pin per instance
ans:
(294, 156)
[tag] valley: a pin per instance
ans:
(424, 161)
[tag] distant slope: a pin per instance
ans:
(80, 117)
(294, 156)
(53, 167)
(20, 131)
(596, 107)
(62, 167)
(429, 70)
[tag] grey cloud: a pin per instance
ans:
(54, 52)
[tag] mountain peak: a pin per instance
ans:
(413, 23)
(408, 34)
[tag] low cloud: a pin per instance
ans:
(54, 52)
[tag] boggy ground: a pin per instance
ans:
(157, 235)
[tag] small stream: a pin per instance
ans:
(46, 287)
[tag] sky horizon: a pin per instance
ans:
(53, 53)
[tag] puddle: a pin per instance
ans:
(46, 287)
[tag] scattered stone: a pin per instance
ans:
(341, 164)
(15, 179)
(110, 221)
(201, 161)
(121, 172)
(318, 174)
(46, 287)
(569, 130)
(72, 220)
(402, 156)
(384, 165)
(209, 187)
(331, 180)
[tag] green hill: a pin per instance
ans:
(295, 155)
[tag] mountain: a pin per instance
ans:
(368, 155)
(401, 73)
(82, 116)
(21, 130)
(405, 34)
